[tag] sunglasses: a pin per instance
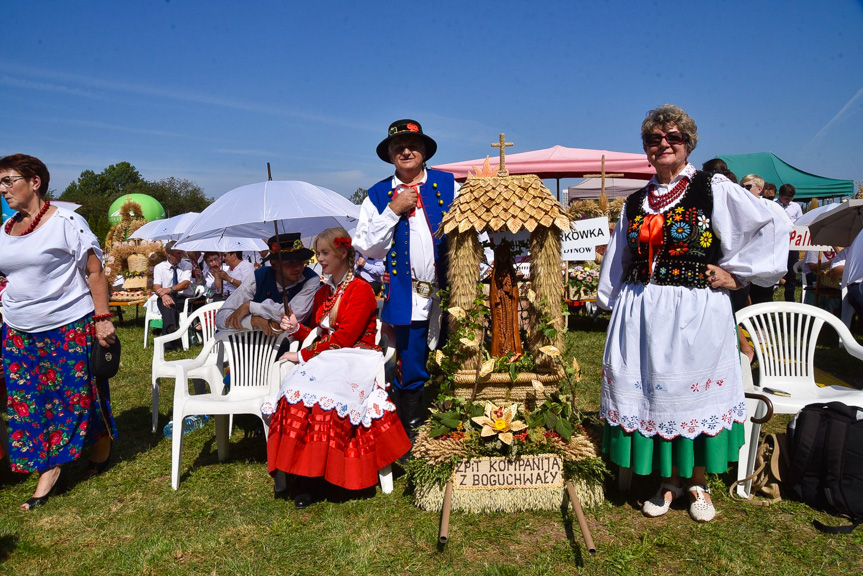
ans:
(673, 139)
(749, 186)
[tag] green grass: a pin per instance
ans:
(224, 520)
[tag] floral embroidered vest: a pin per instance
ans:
(689, 242)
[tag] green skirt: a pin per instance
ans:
(646, 455)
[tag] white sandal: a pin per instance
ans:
(657, 506)
(700, 509)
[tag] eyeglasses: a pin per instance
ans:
(673, 139)
(8, 181)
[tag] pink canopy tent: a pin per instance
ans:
(561, 162)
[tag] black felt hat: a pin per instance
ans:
(291, 247)
(400, 128)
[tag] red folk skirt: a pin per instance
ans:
(318, 443)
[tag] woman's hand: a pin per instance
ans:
(106, 334)
(289, 324)
(290, 357)
(717, 278)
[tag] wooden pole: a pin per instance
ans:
(443, 533)
(582, 521)
(269, 172)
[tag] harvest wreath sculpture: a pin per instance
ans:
(131, 259)
(505, 433)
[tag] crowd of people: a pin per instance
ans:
(690, 248)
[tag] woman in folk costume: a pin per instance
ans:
(672, 390)
(331, 419)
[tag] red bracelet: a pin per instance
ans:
(99, 317)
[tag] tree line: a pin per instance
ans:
(96, 192)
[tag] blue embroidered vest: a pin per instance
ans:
(689, 242)
(437, 195)
(267, 289)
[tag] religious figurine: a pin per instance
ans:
(504, 304)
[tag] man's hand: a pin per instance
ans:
(235, 320)
(265, 326)
(167, 300)
(405, 201)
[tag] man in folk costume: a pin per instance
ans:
(398, 223)
(257, 302)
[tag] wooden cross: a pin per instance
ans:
(603, 175)
(501, 170)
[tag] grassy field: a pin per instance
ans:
(224, 519)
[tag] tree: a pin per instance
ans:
(358, 196)
(96, 192)
(176, 195)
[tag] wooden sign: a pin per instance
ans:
(541, 471)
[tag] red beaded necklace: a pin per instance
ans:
(660, 201)
(32, 225)
(330, 302)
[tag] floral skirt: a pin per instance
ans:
(55, 406)
(319, 443)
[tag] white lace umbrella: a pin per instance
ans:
(258, 210)
(166, 229)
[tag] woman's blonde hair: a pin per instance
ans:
(333, 238)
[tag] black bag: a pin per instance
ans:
(105, 360)
(826, 445)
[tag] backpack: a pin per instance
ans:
(826, 447)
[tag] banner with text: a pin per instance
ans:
(800, 240)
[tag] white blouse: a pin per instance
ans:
(47, 273)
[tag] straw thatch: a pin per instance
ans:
(504, 203)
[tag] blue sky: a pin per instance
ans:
(213, 90)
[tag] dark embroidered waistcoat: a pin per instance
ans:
(689, 242)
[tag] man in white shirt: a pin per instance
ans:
(398, 222)
(172, 281)
(231, 276)
(794, 212)
(848, 268)
(257, 302)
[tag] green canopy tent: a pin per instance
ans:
(774, 169)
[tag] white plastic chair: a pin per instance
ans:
(152, 313)
(203, 367)
(251, 358)
(784, 335)
(385, 474)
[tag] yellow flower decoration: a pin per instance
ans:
(486, 368)
(438, 357)
(457, 312)
(531, 296)
(706, 239)
(550, 351)
(537, 385)
(679, 209)
(499, 420)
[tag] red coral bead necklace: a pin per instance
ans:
(33, 225)
(660, 201)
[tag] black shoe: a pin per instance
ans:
(39, 501)
(303, 500)
(96, 468)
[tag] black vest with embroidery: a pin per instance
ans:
(689, 242)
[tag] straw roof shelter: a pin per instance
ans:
(489, 202)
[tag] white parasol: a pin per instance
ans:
(840, 226)
(166, 229)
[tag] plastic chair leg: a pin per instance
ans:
(386, 477)
(155, 403)
(176, 455)
(222, 436)
(146, 331)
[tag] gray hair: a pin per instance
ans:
(669, 115)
